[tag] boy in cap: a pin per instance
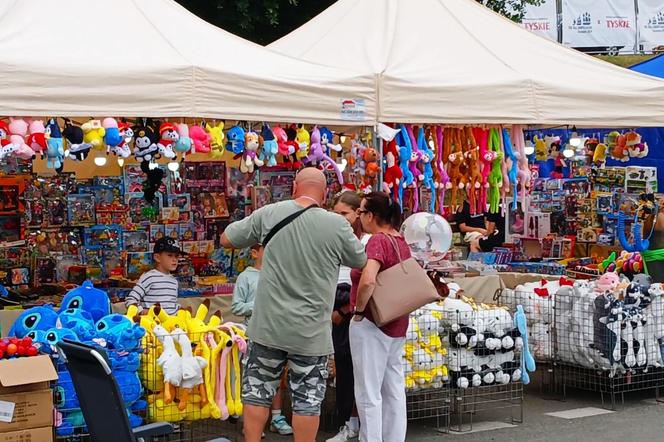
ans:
(158, 286)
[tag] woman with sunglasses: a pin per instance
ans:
(380, 392)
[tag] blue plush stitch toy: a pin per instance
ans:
(235, 137)
(88, 298)
(120, 332)
(79, 321)
(35, 318)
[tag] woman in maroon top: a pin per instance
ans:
(380, 391)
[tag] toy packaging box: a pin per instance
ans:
(26, 401)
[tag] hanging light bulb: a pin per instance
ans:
(575, 140)
(120, 161)
(342, 138)
(100, 160)
(173, 166)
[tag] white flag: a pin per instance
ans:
(599, 24)
(651, 24)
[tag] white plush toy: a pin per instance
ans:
(422, 365)
(170, 362)
(192, 369)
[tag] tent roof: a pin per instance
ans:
(653, 66)
(456, 61)
(153, 58)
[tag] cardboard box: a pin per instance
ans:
(25, 396)
(42, 434)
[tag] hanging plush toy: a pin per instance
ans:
(454, 166)
(371, 169)
(37, 137)
(77, 149)
(249, 156)
(114, 139)
(326, 138)
(405, 152)
(635, 147)
(192, 370)
(512, 165)
(486, 158)
(270, 148)
(523, 170)
(496, 174)
(617, 144)
(184, 142)
(303, 140)
(168, 136)
(317, 155)
(216, 139)
(393, 174)
(443, 179)
(200, 139)
(127, 134)
(55, 152)
(284, 147)
(18, 130)
(474, 175)
(145, 144)
(541, 151)
(427, 170)
(235, 138)
(93, 134)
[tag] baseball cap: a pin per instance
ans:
(168, 245)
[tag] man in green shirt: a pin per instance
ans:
(290, 324)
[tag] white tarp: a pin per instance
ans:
(153, 58)
(542, 19)
(599, 24)
(455, 61)
(651, 24)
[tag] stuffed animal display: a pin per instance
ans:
(611, 324)
(85, 316)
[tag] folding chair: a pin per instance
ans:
(100, 398)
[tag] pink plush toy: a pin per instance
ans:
(18, 130)
(504, 169)
(608, 282)
(37, 138)
(200, 139)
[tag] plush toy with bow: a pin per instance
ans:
(317, 155)
(93, 133)
(184, 143)
(55, 152)
(127, 134)
(250, 156)
(168, 136)
(200, 139)
(145, 144)
(77, 149)
(216, 133)
(496, 174)
(427, 170)
(393, 174)
(235, 139)
(270, 148)
(18, 130)
(37, 137)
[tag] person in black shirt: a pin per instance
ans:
(483, 231)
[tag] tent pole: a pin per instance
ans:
(379, 148)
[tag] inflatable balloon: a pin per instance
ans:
(429, 236)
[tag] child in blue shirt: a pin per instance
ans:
(244, 294)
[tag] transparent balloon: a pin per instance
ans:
(428, 235)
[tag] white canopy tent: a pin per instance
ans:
(153, 58)
(456, 62)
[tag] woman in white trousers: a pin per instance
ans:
(380, 392)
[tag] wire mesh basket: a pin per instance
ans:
(607, 345)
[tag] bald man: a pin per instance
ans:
(290, 325)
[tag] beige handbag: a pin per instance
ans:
(400, 290)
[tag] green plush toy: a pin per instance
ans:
(496, 174)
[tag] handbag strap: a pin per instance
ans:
(284, 222)
(396, 249)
